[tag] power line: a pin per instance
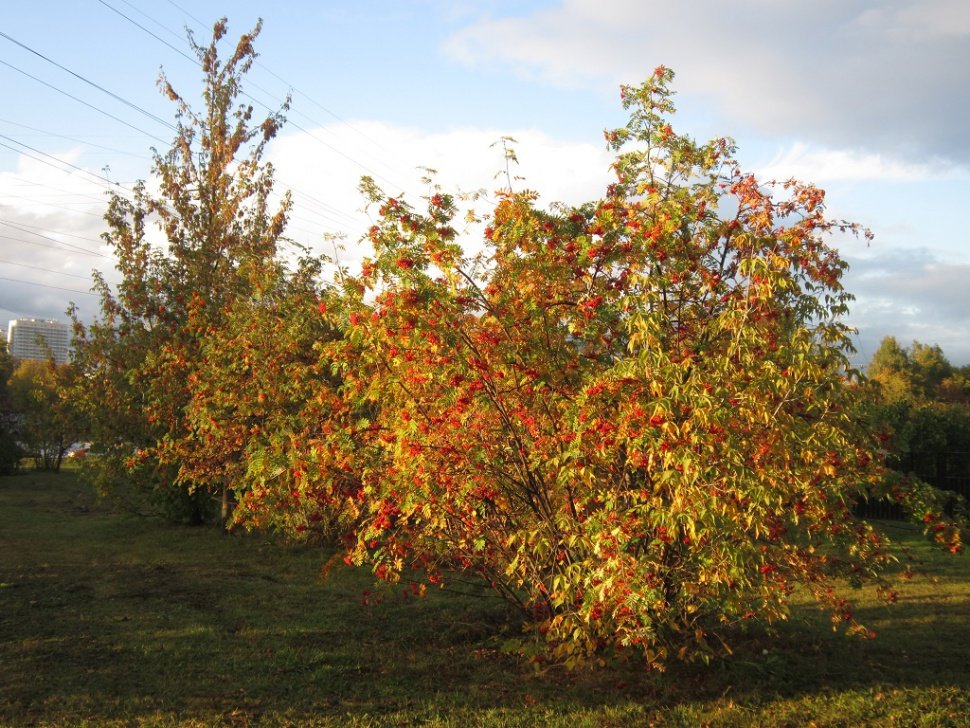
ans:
(100, 178)
(67, 193)
(60, 205)
(310, 203)
(179, 36)
(153, 35)
(113, 188)
(46, 270)
(56, 232)
(81, 101)
(341, 214)
(277, 77)
(88, 81)
(47, 285)
(60, 246)
(269, 108)
(335, 150)
(75, 139)
(322, 107)
(57, 243)
(186, 12)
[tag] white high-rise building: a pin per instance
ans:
(39, 339)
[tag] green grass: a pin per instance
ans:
(107, 619)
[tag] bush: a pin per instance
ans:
(634, 419)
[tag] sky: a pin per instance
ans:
(869, 99)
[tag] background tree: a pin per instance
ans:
(256, 406)
(214, 209)
(892, 368)
(921, 405)
(956, 386)
(46, 424)
(930, 368)
(916, 374)
(10, 452)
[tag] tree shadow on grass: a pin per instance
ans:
(921, 644)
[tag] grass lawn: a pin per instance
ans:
(107, 619)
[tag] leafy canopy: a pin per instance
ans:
(634, 419)
(143, 358)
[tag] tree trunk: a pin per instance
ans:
(225, 510)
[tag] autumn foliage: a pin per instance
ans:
(635, 419)
(146, 357)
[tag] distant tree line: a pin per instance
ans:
(922, 406)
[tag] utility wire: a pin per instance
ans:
(331, 147)
(180, 37)
(20, 228)
(278, 78)
(58, 244)
(91, 83)
(269, 108)
(340, 213)
(56, 232)
(186, 12)
(60, 205)
(47, 285)
(66, 193)
(46, 270)
(75, 139)
(85, 103)
(99, 177)
(61, 243)
(107, 183)
(153, 35)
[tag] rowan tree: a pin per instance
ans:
(215, 215)
(635, 419)
(255, 409)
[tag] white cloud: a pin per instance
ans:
(50, 222)
(892, 77)
(820, 165)
(925, 20)
(912, 295)
(465, 160)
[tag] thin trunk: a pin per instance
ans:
(225, 509)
